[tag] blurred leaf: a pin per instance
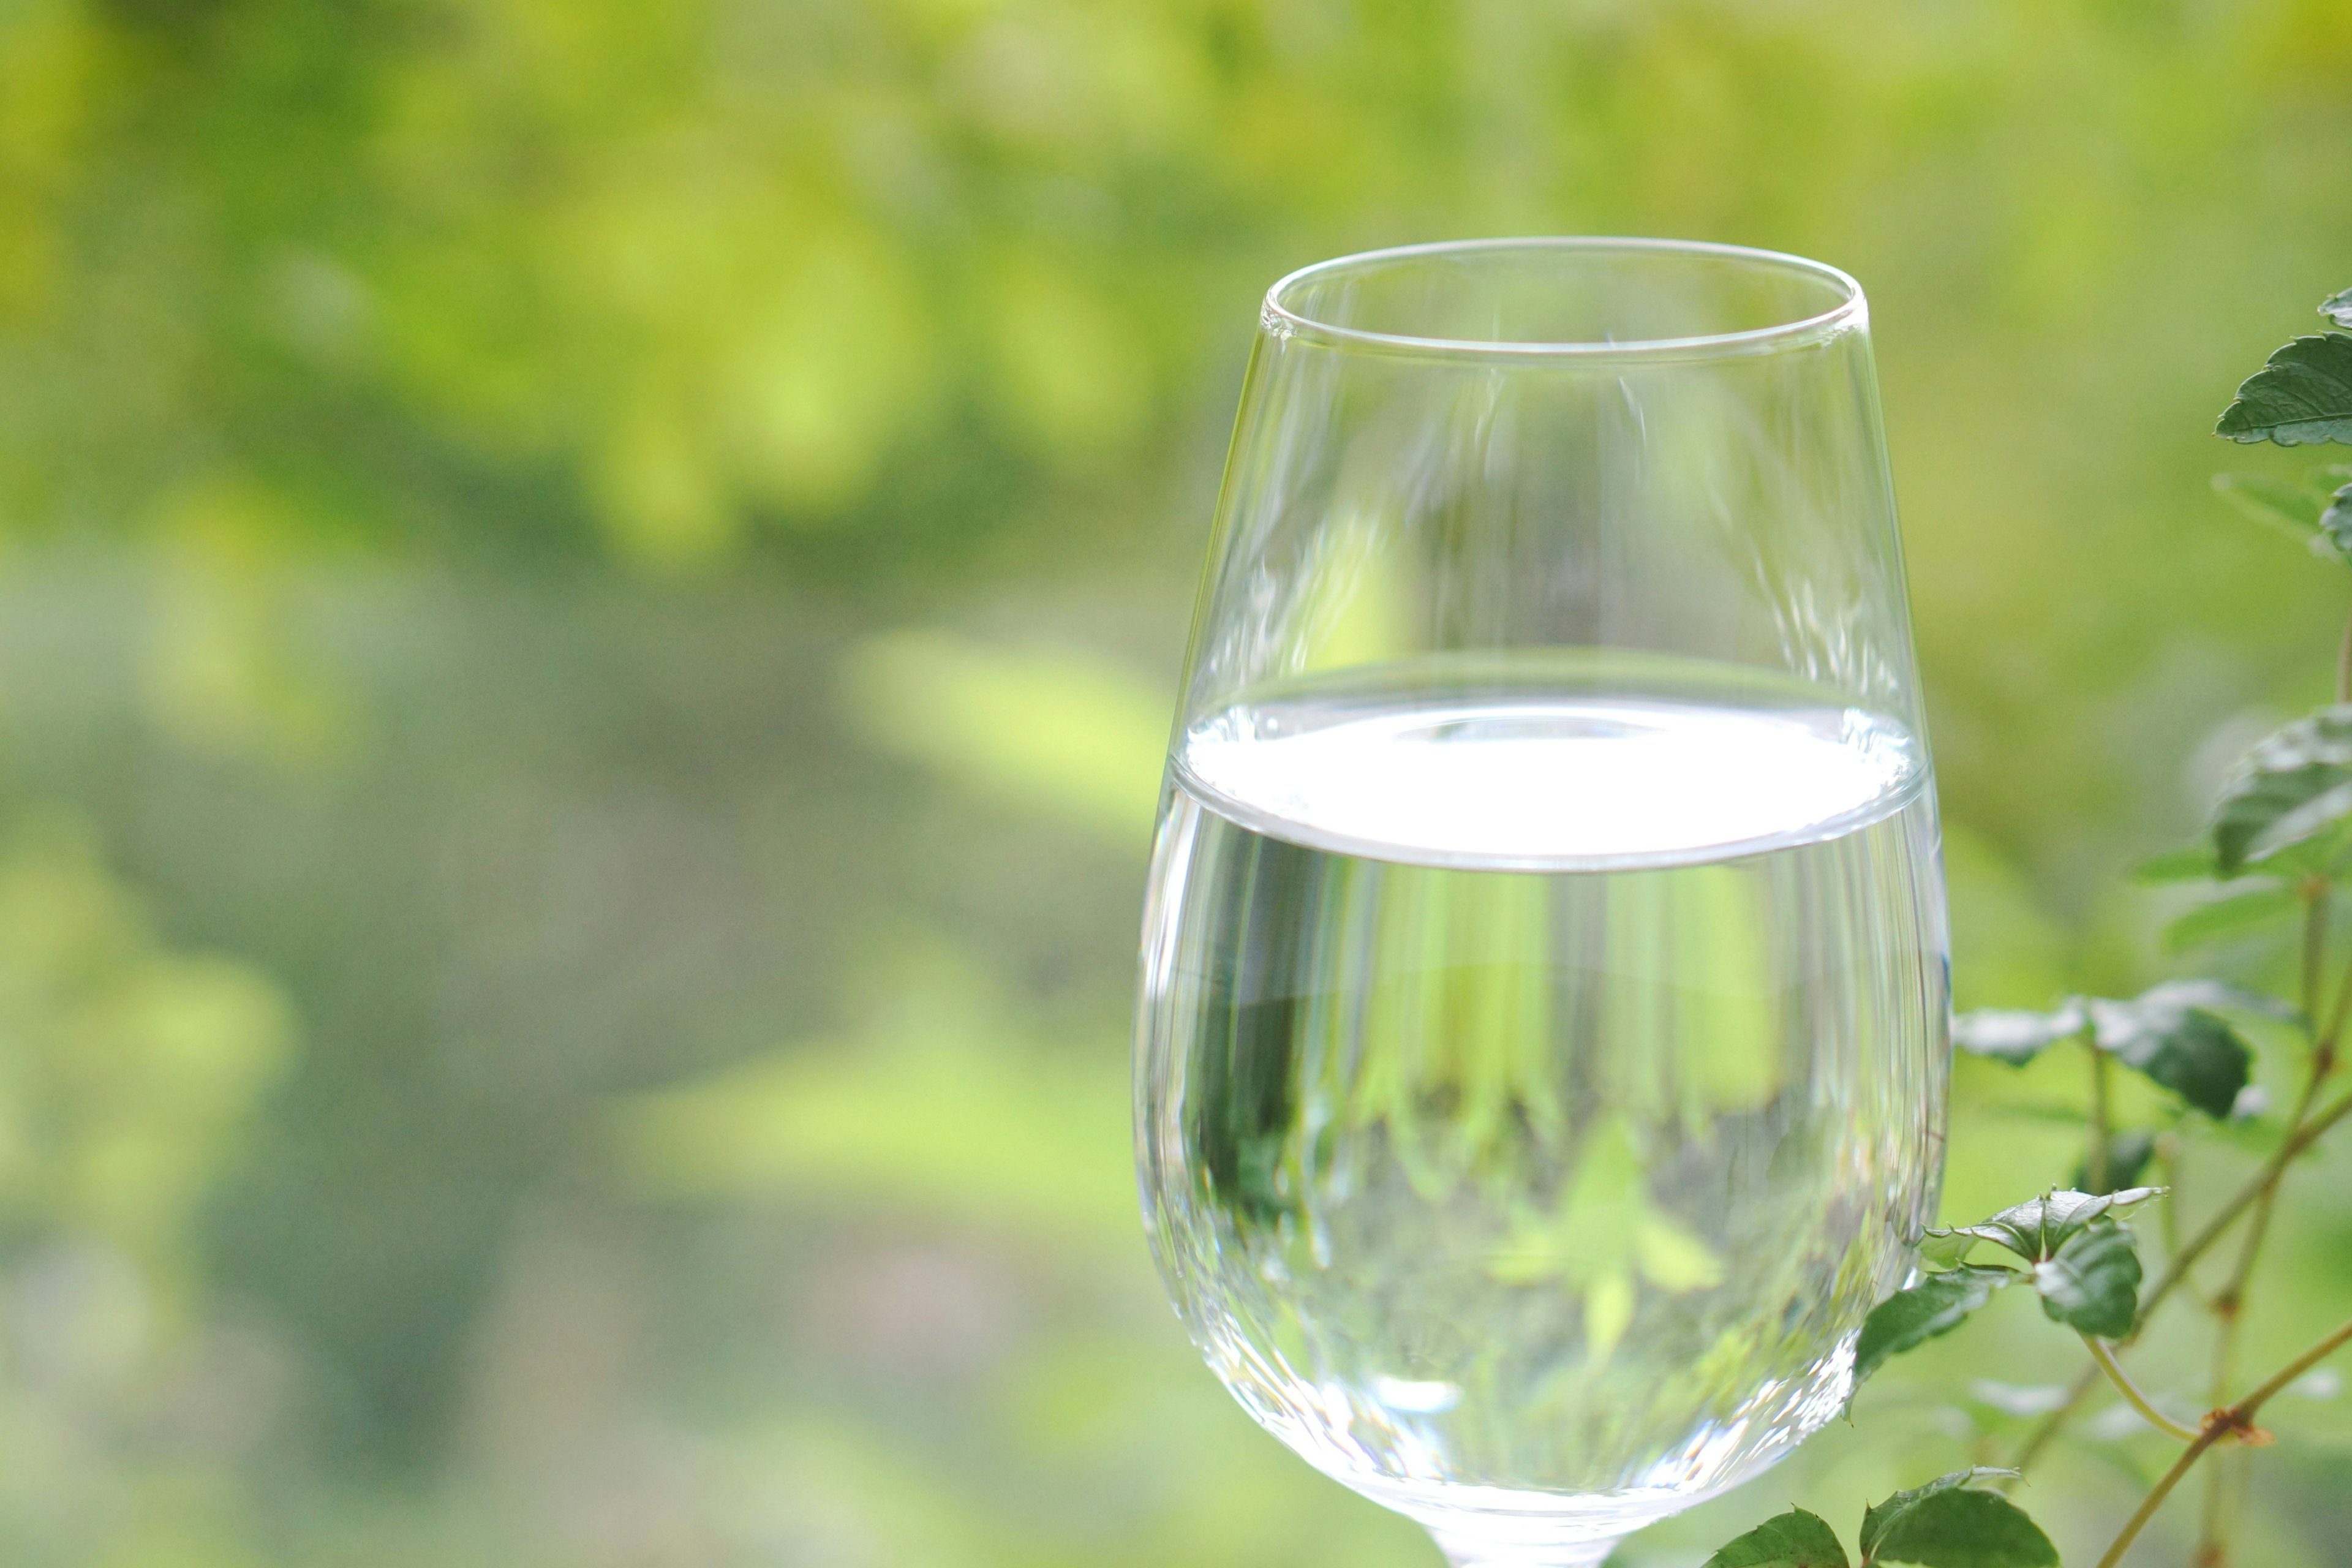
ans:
(1793, 1540)
(1936, 1306)
(1073, 375)
(2194, 864)
(1949, 1524)
(2229, 919)
(2016, 1036)
(2214, 997)
(2287, 787)
(2129, 1153)
(2290, 508)
(1607, 1234)
(2007, 949)
(1051, 729)
(2038, 1227)
(940, 1107)
(125, 1067)
(2093, 1283)
(2324, 856)
(2024, 1402)
(2337, 520)
(2303, 394)
(2190, 1051)
(2337, 307)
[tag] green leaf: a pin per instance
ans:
(2016, 1036)
(2302, 396)
(1793, 1540)
(2128, 1153)
(2194, 864)
(2288, 787)
(2227, 919)
(2185, 1048)
(2215, 996)
(2337, 520)
(2325, 855)
(2038, 1227)
(1945, 1249)
(2337, 307)
(1946, 1524)
(2093, 1285)
(2277, 503)
(1910, 1319)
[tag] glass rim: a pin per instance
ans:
(1850, 313)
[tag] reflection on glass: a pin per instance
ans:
(1542, 1035)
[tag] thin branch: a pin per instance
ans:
(2344, 667)
(2237, 1421)
(2229, 1304)
(2323, 1049)
(2183, 1259)
(2212, 1522)
(2162, 1489)
(2167, 1214)
(2315, 901)
(2051, 1424)
(2095, 1165)
(2218, 1223)
(2284, 1377)
(2133, 1396)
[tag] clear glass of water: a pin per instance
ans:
(1543, 1030)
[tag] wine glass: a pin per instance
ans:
(1543, 1027)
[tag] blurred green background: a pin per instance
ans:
(589, 595)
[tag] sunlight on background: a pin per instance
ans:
(590, 605)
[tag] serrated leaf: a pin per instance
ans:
(1910, 1319)
(2013, 1035)
(2337, 307)
(1793, 1540)
(1949, 1524)
(2276, 503)
(2302, 396)
(2185, 1048)
(2288, 787)
(2038, 1227)
(2092, 1284)
(2237, 916)
(2128, 1153)
(2194, 864)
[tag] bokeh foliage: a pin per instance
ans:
(610, 572)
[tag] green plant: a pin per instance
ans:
(2278, 850)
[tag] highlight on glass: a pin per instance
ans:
(1542, 1036)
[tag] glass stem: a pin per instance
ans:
(1465, 1552)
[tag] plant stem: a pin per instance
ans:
(2244, 1409)
(2344, 667)
(2212, 1550)
(2238, 1420)
(2167, 1212)
(2217, 1225)
(2149, 1413)
(2228, 1305)
(2184, 1258)
(2095, 1165)
(2051, 1424)
(2314, 950)
(2213, 1524)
